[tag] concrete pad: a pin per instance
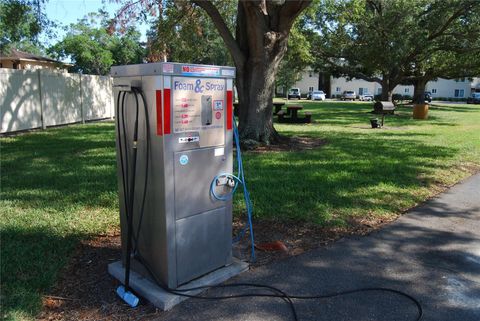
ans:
(164, 300)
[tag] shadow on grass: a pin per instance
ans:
(348, 113)
(71, 166)
(463, 109)
(32, 259)
(349, 175)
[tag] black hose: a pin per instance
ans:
(283, 295)
(120, 149)
(147, 163)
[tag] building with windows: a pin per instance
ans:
(443, 88)
(333, 87)
(309, 81)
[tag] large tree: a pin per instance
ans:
(93, 49)
(394, 42)
(454, 52)
(257, 44)
(21, 23)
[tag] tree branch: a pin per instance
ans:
(289, 11)
(455, 15)
(222, 28)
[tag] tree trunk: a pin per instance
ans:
(387, 90)
(255, 93)
(419, 91)
(260, 43)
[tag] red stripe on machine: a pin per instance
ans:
(166, 112)
(158, 97)
(229, 110)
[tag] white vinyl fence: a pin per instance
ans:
(40, 98)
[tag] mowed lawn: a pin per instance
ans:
(59, 186)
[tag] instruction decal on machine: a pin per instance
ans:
(198, 104)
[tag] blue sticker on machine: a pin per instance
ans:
(184, 160)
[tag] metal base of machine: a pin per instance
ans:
(164, 300)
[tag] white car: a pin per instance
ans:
(349, 94)
(294, 93)
(317, 95)
(366, 97)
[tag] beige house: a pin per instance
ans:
(16, 59)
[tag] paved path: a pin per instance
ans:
(432, 253)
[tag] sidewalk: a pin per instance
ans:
(431, 253)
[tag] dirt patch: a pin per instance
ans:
(291, 144)
(85, 290)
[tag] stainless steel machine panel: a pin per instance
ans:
(194, 172)
(203, 243)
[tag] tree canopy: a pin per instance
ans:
(21, 22)
(395, 42)
(184, 32)
(93, 50)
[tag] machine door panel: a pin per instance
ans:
(203, 244)
(194, 172)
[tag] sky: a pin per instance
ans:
(69, 11)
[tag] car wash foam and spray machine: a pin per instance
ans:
(175, 132)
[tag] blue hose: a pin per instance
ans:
(239, 179)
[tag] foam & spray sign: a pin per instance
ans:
(198, 104)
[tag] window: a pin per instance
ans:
(407, 90)
(459, 93)
(434, 90)
(338, 89)
(310, 88)
(460, 79)
(310, 74)
(362, 91)
(379, 91)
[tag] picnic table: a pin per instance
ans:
(291, 115)
(292, 111)
(278, 107)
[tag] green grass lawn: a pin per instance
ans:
(59, 186)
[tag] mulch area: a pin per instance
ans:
(85, 290)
